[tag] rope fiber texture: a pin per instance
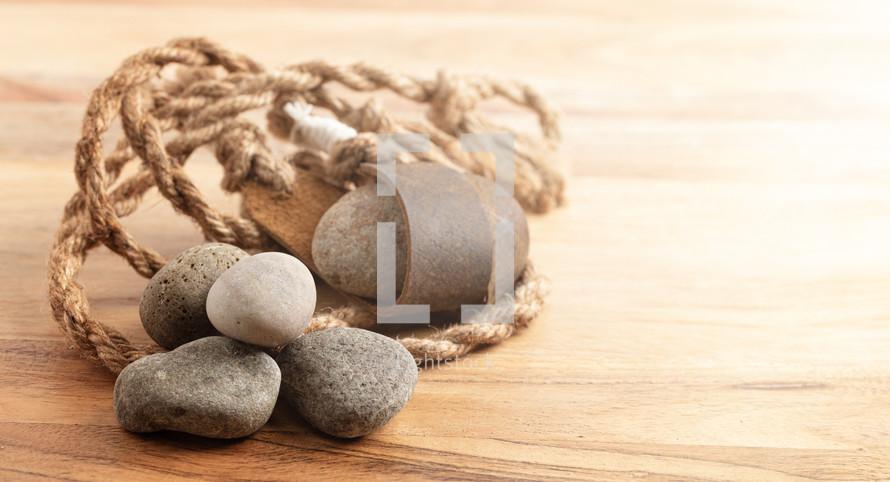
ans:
(166, 118)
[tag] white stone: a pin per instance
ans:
(266, 300)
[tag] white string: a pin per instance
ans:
(319, 133)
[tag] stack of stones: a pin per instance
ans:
(221, 311)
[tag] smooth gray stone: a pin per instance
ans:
(172, 308)
(267, 299)
(214, 387)
(344, 246)
(347, 382)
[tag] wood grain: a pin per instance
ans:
(721, 271)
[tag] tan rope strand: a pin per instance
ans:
(212, 88)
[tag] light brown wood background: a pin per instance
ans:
(721, 305)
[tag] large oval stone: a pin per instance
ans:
(450, 230)
(347, 382)
(172, 308)
(267, 299)
(214, 387)
(344, 247)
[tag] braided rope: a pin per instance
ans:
(202, 106)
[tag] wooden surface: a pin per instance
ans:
(721, 305)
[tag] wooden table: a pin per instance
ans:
(721, 273)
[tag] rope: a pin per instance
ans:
(318, 133)
(165, 119)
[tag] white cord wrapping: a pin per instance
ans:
(319, 133)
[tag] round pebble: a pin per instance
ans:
(172, 308)
(344, 247)
(266, 299)
(213, 387)
(347, 382)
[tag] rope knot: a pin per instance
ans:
(242, 151)
(346, 148)
(349, 154)
(370, 117)
(452, 97)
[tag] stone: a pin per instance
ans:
(267, 299)
(448, 224)
(347, 382)
(344, 247)
(213, 387)
(172, 308)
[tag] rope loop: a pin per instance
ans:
(166, 118)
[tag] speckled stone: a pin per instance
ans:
(172, 307)
(344, 247)
(347, 382)
(214, 387)
(267, 299)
